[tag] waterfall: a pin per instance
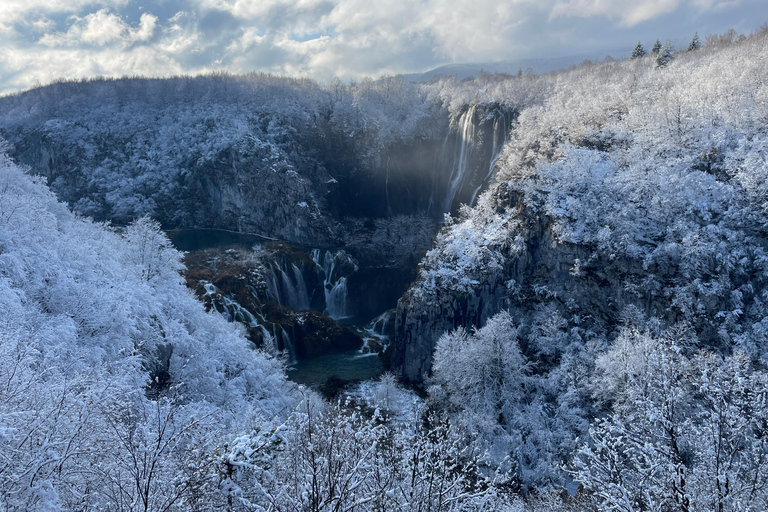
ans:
(289, 289)
(466, 134)
(334, 286)
(499, 125)
(272, 287)
(336, 299)
(376, 334)
(230, 309)
(380, 324)
(288, 344)
(299, 289)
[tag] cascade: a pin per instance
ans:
(336, 299)
(272, 287)
(466, 133)
(232, 311)
(287, 342)
(376, 334)
(289, 289)
(381, 325)
(335, 287)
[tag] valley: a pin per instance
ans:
(503, 293)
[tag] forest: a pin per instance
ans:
(564, 275)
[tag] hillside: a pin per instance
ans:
(114, 378)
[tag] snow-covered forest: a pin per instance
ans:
(587, 332)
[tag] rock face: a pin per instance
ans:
(536, 273)
(286, 160)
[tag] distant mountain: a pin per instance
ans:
(537, 66)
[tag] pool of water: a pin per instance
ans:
(351, 366)
(196, 239)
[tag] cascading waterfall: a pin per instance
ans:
(288, 344)
(380, 325)
(232, 311)
(335, 287)
(289, 289)
(278, 333)
(376, 334)
(466, 132)
(336, 300)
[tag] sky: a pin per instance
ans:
(44, 40)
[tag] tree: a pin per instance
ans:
(153, 253)
(656, 48)
(637, 459)
(639, 51)
(664, 55)
(686, 432)
(334, 457)
(695, 44)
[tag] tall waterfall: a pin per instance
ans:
(334, 286)
(499, 139)
(467, 134)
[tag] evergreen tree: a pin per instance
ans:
(656, 47)
(639, 51)
(664, 55)
(695, 43)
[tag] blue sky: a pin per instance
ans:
(42, 40)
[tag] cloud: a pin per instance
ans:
(101, 28)
(629, 13)
(638, 11)
(15, 11)
(47, 39)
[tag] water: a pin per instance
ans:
(467, 137)
(334, 287)
(351, 366)
(287, 286)
(195, 239)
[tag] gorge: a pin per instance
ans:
(564, 279)
(344, 212)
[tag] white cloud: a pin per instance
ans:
(323, 38)
(14, 11)
(101, 28)
(146, 29)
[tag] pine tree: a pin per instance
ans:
(639, 51)
(695, 44)
(664, 55)
(656, 47)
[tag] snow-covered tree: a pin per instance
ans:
(664, 55)
(638, 52)
(695, 44)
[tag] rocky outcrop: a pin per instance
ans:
(588, 289)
